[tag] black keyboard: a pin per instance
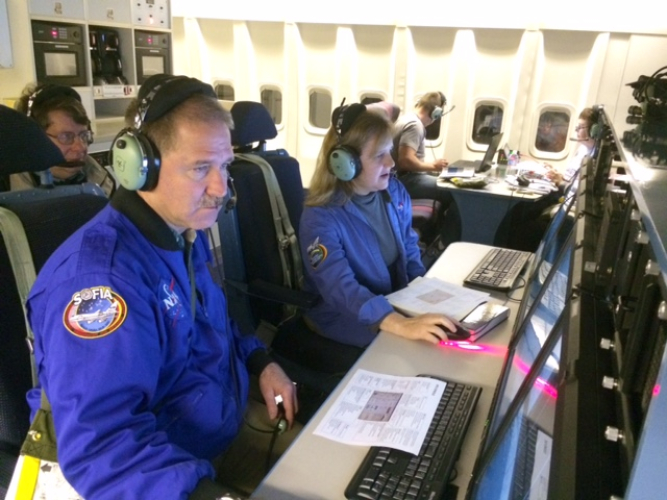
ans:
(498, 269)
(387, 473)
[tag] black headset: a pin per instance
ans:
(595, 129)
(345, 161)
(133, 156)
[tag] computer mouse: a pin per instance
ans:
(461, 333)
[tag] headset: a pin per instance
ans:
(135, 159)
(344, 161)
(595, 130)
(46, 93)
(439, 111)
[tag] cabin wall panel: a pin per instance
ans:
(524, 69)
(375, 60)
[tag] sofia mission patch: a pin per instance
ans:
(95, 312)
(316, 253)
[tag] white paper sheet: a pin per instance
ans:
(432, 295)
(383, 410)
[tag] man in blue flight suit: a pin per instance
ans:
(146, 375)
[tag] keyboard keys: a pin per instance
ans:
(392, 474)
(499, 268)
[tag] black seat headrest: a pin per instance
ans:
(252, 123)
(24, 146)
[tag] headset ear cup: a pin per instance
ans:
(436, 114)
(344, 163)
(134, 160)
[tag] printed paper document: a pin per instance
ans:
(383, 410)
(432, 295)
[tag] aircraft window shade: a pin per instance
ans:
(272, 99)
(224, 91)
(552, 130)
(487, 122)
(320, 108)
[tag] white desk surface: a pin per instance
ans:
(317, 468)
(496, 187)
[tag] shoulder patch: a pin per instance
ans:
(95, 312)
(316, 253)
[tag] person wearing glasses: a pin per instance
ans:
(59, 111)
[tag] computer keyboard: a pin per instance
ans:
(498, 269)
(387, 473)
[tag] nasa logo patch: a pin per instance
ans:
(95, 312)
(316, 253)
(171, 302)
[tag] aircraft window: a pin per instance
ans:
(552, 130)
(273, 101)
(488, 121)
(370, 98)
(225, 91)
(433, 130)
(320, 109)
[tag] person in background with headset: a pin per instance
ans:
(409, 155)
(58, 110)
(529, 221)
(586, 141)
(146, 374)
(356, 235)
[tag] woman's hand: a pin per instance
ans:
(429, 327)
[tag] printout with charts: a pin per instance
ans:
(375, 409)
(432, 295)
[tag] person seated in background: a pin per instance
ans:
(59, 111)
(409, 136)
(356, 237)
(529, 221)
(585, 144)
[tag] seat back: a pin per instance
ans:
(33, 223)
(256, 258)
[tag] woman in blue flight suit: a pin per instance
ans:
(356, 237)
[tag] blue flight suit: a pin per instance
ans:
(344, 265)
(143, 396)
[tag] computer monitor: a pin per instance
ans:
(531, 336)
(487, 161)
(517, 463)
(562, 224)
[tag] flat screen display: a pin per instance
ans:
(60, 63)
(518, 463)
(152, 65)
(562, 224)
(532, 335)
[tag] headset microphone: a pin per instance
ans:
(231, 195)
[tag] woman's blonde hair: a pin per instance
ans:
(367, 128)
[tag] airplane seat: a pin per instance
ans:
(425, 220)
(263, 270)
(33, 223)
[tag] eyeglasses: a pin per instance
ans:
(68, 138)
(580, 127)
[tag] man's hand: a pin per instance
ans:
(274, 382)
(440, 164)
